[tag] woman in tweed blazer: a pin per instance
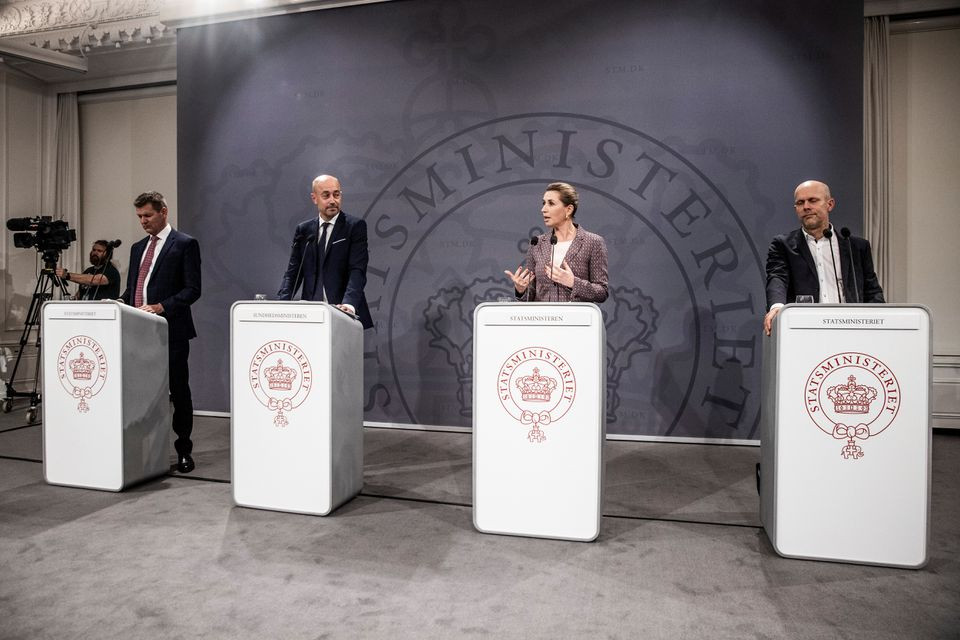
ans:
(581, 275)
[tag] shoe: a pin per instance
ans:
(185, 463)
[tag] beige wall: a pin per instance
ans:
(26, 112)
(925, 196)
(128, 143)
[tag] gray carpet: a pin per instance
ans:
(680, 554)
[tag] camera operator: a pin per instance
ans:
(101, 281)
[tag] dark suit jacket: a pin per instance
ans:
(587, 258)
(174, 283)
(344, 265)
(791, 270)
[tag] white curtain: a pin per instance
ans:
(66, 199)
(876, 142)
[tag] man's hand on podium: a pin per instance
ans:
(768, 319)
(152, 308)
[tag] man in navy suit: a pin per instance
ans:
(816, 261)
(329, 255)
(164, 278)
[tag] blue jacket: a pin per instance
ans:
(174, 283)
(344, 265)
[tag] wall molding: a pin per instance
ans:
(945, 390)
(32, 16)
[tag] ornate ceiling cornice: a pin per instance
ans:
(71, 24)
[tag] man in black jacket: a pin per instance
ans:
(816, 261)
(164, 278)
(329, 254)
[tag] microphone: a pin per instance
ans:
(845, 232)
(534, 241)
(828, 234)
(296, 280)
(553, 251)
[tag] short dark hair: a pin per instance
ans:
(153, 198)
(103, 243)
(568, 194)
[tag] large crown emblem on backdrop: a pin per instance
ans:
(279, 377)
(852, 397)
(536, 388)
(82, 368)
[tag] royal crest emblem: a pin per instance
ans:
(280, 377)
(852, 396)
(82, 369)
(537, 387)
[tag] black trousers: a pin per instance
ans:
(180, 394)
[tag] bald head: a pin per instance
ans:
(326, 194)
(813, 204)
(813, 184)
(324, 179)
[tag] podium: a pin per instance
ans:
(845, 434)
(296, 400)
(538, 419)
(106, 404)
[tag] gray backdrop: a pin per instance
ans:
(685, 128)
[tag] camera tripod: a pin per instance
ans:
(48, 283)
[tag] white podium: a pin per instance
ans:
(106, 404)
(296, 398)
(845, 434)
(539, 425)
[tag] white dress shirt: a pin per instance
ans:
(161, 238)
(826, 273)
(326, 247)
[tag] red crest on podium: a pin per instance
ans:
(852, 396)
(537, 387)
(82, 369)
(281, 378)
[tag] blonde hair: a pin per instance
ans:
(568, 194)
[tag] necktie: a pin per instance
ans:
(321, 252)
(144, 270)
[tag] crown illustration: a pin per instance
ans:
(82, 368)
(851, 397)
(279, 377)
(536, 388)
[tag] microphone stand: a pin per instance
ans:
(526, 294)
(296, 280)
(836, 276)
(106, 260)
(845, 233)
(553, 252)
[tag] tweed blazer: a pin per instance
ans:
(587, 258)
